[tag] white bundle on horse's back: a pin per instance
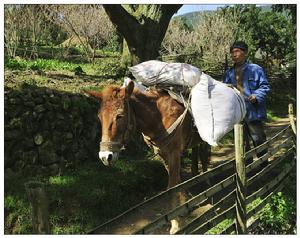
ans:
(154, 72)
(216, 108)
(142, 88)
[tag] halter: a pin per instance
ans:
(130, 127)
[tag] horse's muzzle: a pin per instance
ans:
(108, 157)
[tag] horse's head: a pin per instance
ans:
(116, 120)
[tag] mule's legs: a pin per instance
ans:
(204, 153)
(174, 165)
(194, 158)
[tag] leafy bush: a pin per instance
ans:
(279, 216)
(15, 63)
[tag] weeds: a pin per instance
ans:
(84, 197)
(106, 67)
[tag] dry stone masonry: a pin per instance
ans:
(47, 130)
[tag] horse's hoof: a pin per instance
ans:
(174, 227)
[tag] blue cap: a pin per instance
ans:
(240, 45)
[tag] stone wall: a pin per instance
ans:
(47, 130)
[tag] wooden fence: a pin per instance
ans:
(233, 186)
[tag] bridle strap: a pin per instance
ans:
(110, 146)
(130, 128)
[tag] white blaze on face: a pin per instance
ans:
(108, 157)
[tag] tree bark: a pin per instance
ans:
(143, 27)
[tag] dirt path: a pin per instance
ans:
(225, 153)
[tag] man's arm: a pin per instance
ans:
(226, 78)
(263, 87)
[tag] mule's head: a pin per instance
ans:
(116, 120)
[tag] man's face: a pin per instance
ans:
(238, 56)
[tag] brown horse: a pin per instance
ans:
(126, 109)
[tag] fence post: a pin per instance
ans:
(291, 117)
(39, 203)
(241, 180)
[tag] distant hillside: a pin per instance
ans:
(192, 18)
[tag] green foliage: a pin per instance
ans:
(105, 67)
(16, 63)
(279, 99)
(219, 227)
(38, 64)
(279, 216)
(271, 117)
(113, 44)
(84, 197)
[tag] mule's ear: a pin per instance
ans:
(94, 94)
(129, 89)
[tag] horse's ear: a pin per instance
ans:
(129, 89)
(94, 94)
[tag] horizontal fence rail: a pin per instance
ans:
(219, 207)
(187, 206)
(267, 144)
(270, 153)
(270, 166)
(229, 213)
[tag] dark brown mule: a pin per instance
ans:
(125, 109)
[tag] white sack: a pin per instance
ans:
(216, 108)
(156, 72)
(141, 87)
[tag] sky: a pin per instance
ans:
(199, 7)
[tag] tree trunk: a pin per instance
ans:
(126, 56)
(143, 27)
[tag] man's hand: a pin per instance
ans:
(252, 98)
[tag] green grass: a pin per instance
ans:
(219, 227)
(271, 117)
(85, 197)
(104, 67)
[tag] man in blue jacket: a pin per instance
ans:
(251, 81)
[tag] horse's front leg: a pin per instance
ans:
(178, 198)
